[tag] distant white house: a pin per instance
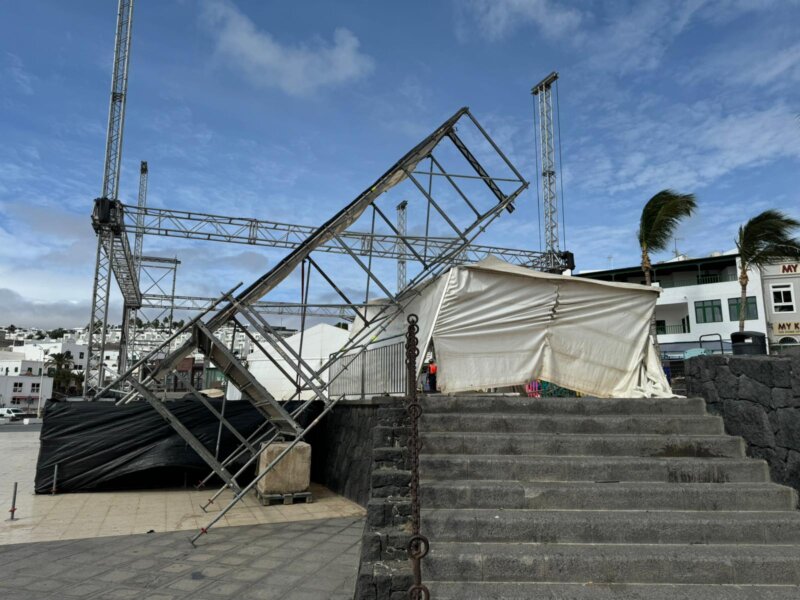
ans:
(23, 382)
(34, 348)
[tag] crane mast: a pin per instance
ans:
(113, 251)
(542, 91)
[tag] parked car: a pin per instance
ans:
(12, 414)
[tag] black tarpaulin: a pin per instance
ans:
(98, 445)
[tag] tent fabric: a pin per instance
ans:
(498, 325)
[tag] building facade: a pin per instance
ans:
(781, 287)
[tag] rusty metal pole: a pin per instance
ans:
(13, 508)
(418, 544)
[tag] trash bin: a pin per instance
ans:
(749, 342)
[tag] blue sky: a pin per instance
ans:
(287, 110)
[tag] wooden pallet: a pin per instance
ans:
(270, 499)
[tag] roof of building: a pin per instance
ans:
(673, 265)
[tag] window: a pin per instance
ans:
(708, 311)
(751, 312)
(34, 388)
(17, 387)
(782, 300)
(80, 354)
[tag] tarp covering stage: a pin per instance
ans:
(98, 445)
(497, 325)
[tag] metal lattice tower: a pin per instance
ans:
(128, 312)
(542, 91)
(401, 229)
(113, 251)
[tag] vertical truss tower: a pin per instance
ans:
(546, 133)
(401, 228)
(113, 250)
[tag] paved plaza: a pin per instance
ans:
(96, 545)
(303, 560)
(97, 514)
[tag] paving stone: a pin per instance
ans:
(224, 588)
(248, 562)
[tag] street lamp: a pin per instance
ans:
(41, 382)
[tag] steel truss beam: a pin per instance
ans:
(315, 382)
(241, 230)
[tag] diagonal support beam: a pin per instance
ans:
(202, 399)
(187, 435)
(465, 152)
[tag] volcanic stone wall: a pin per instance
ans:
(758, 397)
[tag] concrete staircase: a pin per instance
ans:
(586, 498)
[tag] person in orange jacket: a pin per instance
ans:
(432, 375)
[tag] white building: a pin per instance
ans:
(17, 363)
(23, 382)
(34, 349)
(781, 285)
(699, 304)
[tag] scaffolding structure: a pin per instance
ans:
(369, 268)
(467, 216)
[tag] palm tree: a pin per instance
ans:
(764, 239)
(61, 363)
(60, 360)
(660, 216)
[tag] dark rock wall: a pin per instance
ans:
(384, 571)
(759, 399)
(341, 456)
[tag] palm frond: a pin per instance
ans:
(767, 238)
(660, 217)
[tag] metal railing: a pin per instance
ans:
(668, 329)
(374, 372)
(699, 280)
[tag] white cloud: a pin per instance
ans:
(685, 147)
(24, 312)
(757, 65)
(297, 70)
(22, 79)
(496, 18)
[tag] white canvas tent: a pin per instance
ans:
(496, 325)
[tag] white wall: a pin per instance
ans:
(319, 342)
(26, 386)
(721, 291)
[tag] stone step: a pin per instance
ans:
(613, 563)
(512, 423)
(584, 495)
(583, 444)
(555, 406)
(593, 468)
(478, 590)
(611, 526)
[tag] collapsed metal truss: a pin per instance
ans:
(313, 384)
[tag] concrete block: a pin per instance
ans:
(291, 475)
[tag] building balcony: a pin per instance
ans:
(698, 280)
(670, 329)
